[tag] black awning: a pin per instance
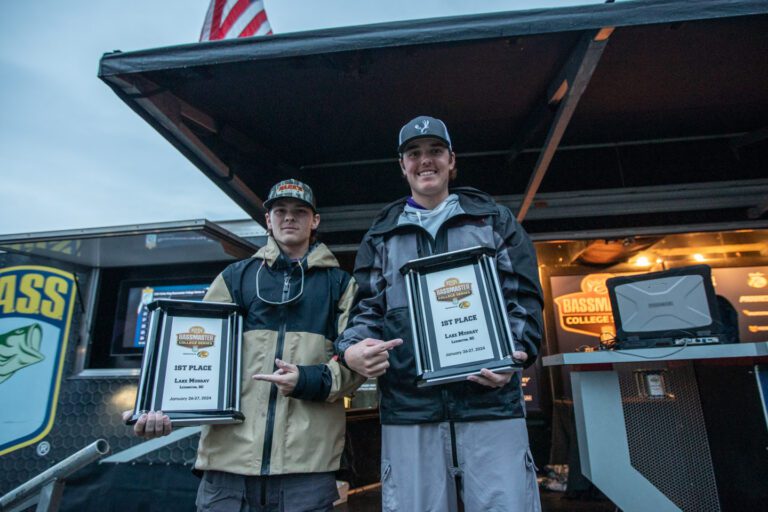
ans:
(677, 97)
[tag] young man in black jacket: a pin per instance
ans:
(471, 433)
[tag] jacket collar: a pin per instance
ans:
(474, 202)
(319, 255)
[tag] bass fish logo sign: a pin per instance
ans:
(36, 306)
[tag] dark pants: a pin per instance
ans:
(302, 492)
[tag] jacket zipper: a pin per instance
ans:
(426, 244)
(441, 237)
(270, 426)
(439, 245)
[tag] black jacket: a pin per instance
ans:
(380, 310)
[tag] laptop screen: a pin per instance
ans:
(667, 304)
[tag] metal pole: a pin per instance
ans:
(58, 473)
(50, 496)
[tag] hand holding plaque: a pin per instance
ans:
(191, 366)
(150, 425)
(458, 317)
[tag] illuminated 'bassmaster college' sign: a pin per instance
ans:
(589, 310)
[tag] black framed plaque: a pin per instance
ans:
(191, 367)
(458, 316)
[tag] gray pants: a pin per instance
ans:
(495, 467)
(305, 492)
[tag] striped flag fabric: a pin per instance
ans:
(228, 19)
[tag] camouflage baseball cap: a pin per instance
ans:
(291, 189)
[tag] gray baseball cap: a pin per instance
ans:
(291, 189)
(423, 127)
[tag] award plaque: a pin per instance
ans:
(192, 363)
(459, 319)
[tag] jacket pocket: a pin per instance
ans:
(214, 495)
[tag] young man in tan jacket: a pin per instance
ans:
(295, 300)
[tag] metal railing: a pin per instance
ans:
(46, 489)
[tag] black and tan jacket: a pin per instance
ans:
(281, 434)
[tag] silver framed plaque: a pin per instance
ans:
(191, 366)
(458, 316)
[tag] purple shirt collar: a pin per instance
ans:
(412, 203)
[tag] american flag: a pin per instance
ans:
(228, 19)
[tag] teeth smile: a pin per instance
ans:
(427, 173)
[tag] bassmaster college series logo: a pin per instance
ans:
(588, 311)
(453, 291)
(36, 306)
(196, 338)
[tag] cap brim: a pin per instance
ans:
(269, 202)
(425, 136)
